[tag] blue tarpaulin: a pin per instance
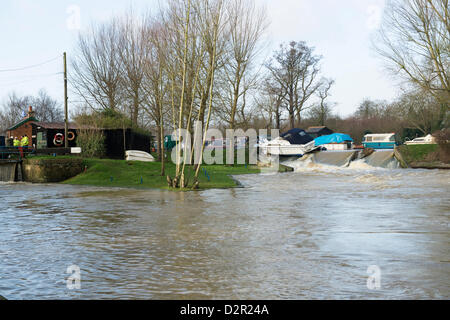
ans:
(333, 138)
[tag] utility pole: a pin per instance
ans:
(66, 121)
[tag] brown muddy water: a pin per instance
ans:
(311, 234)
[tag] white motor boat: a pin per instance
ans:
(135, 155)
(429, 139)
(282, 147)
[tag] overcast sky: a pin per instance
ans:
(33, 31)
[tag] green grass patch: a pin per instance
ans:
(415, 153)
(121, 173)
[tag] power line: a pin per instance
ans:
(32, 66)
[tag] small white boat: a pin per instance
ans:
(282, 147)
(429, 139)
(135, 155)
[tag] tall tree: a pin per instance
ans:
(321, 111)
(296, 70)
(156, 80)
(245, 27)
(271, 101)
(132, 55)
(415, 40)
(96, 67)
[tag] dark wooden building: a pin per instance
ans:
(316, 132)
(47, 134)
(117, 141)
(41, 134)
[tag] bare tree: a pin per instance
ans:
(132, 55)
(13, 110)
(46, 108)
(245, 27)
(15, 107)
(296, 70)
(215, 25)
(415, 40)
(156, 84)
(271, 100)
(322, 110)
(368, 109)
(419, 109)
(96, 67)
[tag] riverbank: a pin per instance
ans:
(426, 156)
(46, 169)
(135, 174)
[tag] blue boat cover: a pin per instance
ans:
(333, 138)
(297, 136)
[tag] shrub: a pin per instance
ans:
(443, 139)
(92, 142)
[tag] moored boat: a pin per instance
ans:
(380, 141)
(136, 155)
(429, 139)
(295, 142)
(335, 141)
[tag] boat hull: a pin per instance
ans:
(289, 149)
(412, 143)
(134, 155)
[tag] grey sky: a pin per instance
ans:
(35, 31)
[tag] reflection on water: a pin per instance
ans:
(304, 235)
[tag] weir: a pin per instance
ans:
(10, 171)
(383, 159)
(338, 158)
(353, 159)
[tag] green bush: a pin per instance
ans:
(92, 143)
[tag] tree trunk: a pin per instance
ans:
(159, 143)
(277, 117)
(292, 119)
(135, 111)
(161, 148)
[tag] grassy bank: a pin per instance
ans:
(121, 173)
(425, 156)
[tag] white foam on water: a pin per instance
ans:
(339, 161)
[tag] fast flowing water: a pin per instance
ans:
(311, 234)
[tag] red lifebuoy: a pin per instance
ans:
(70, 136)
(58, 140)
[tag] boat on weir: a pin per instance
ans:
(295, 142)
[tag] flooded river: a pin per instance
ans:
(310, 234)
